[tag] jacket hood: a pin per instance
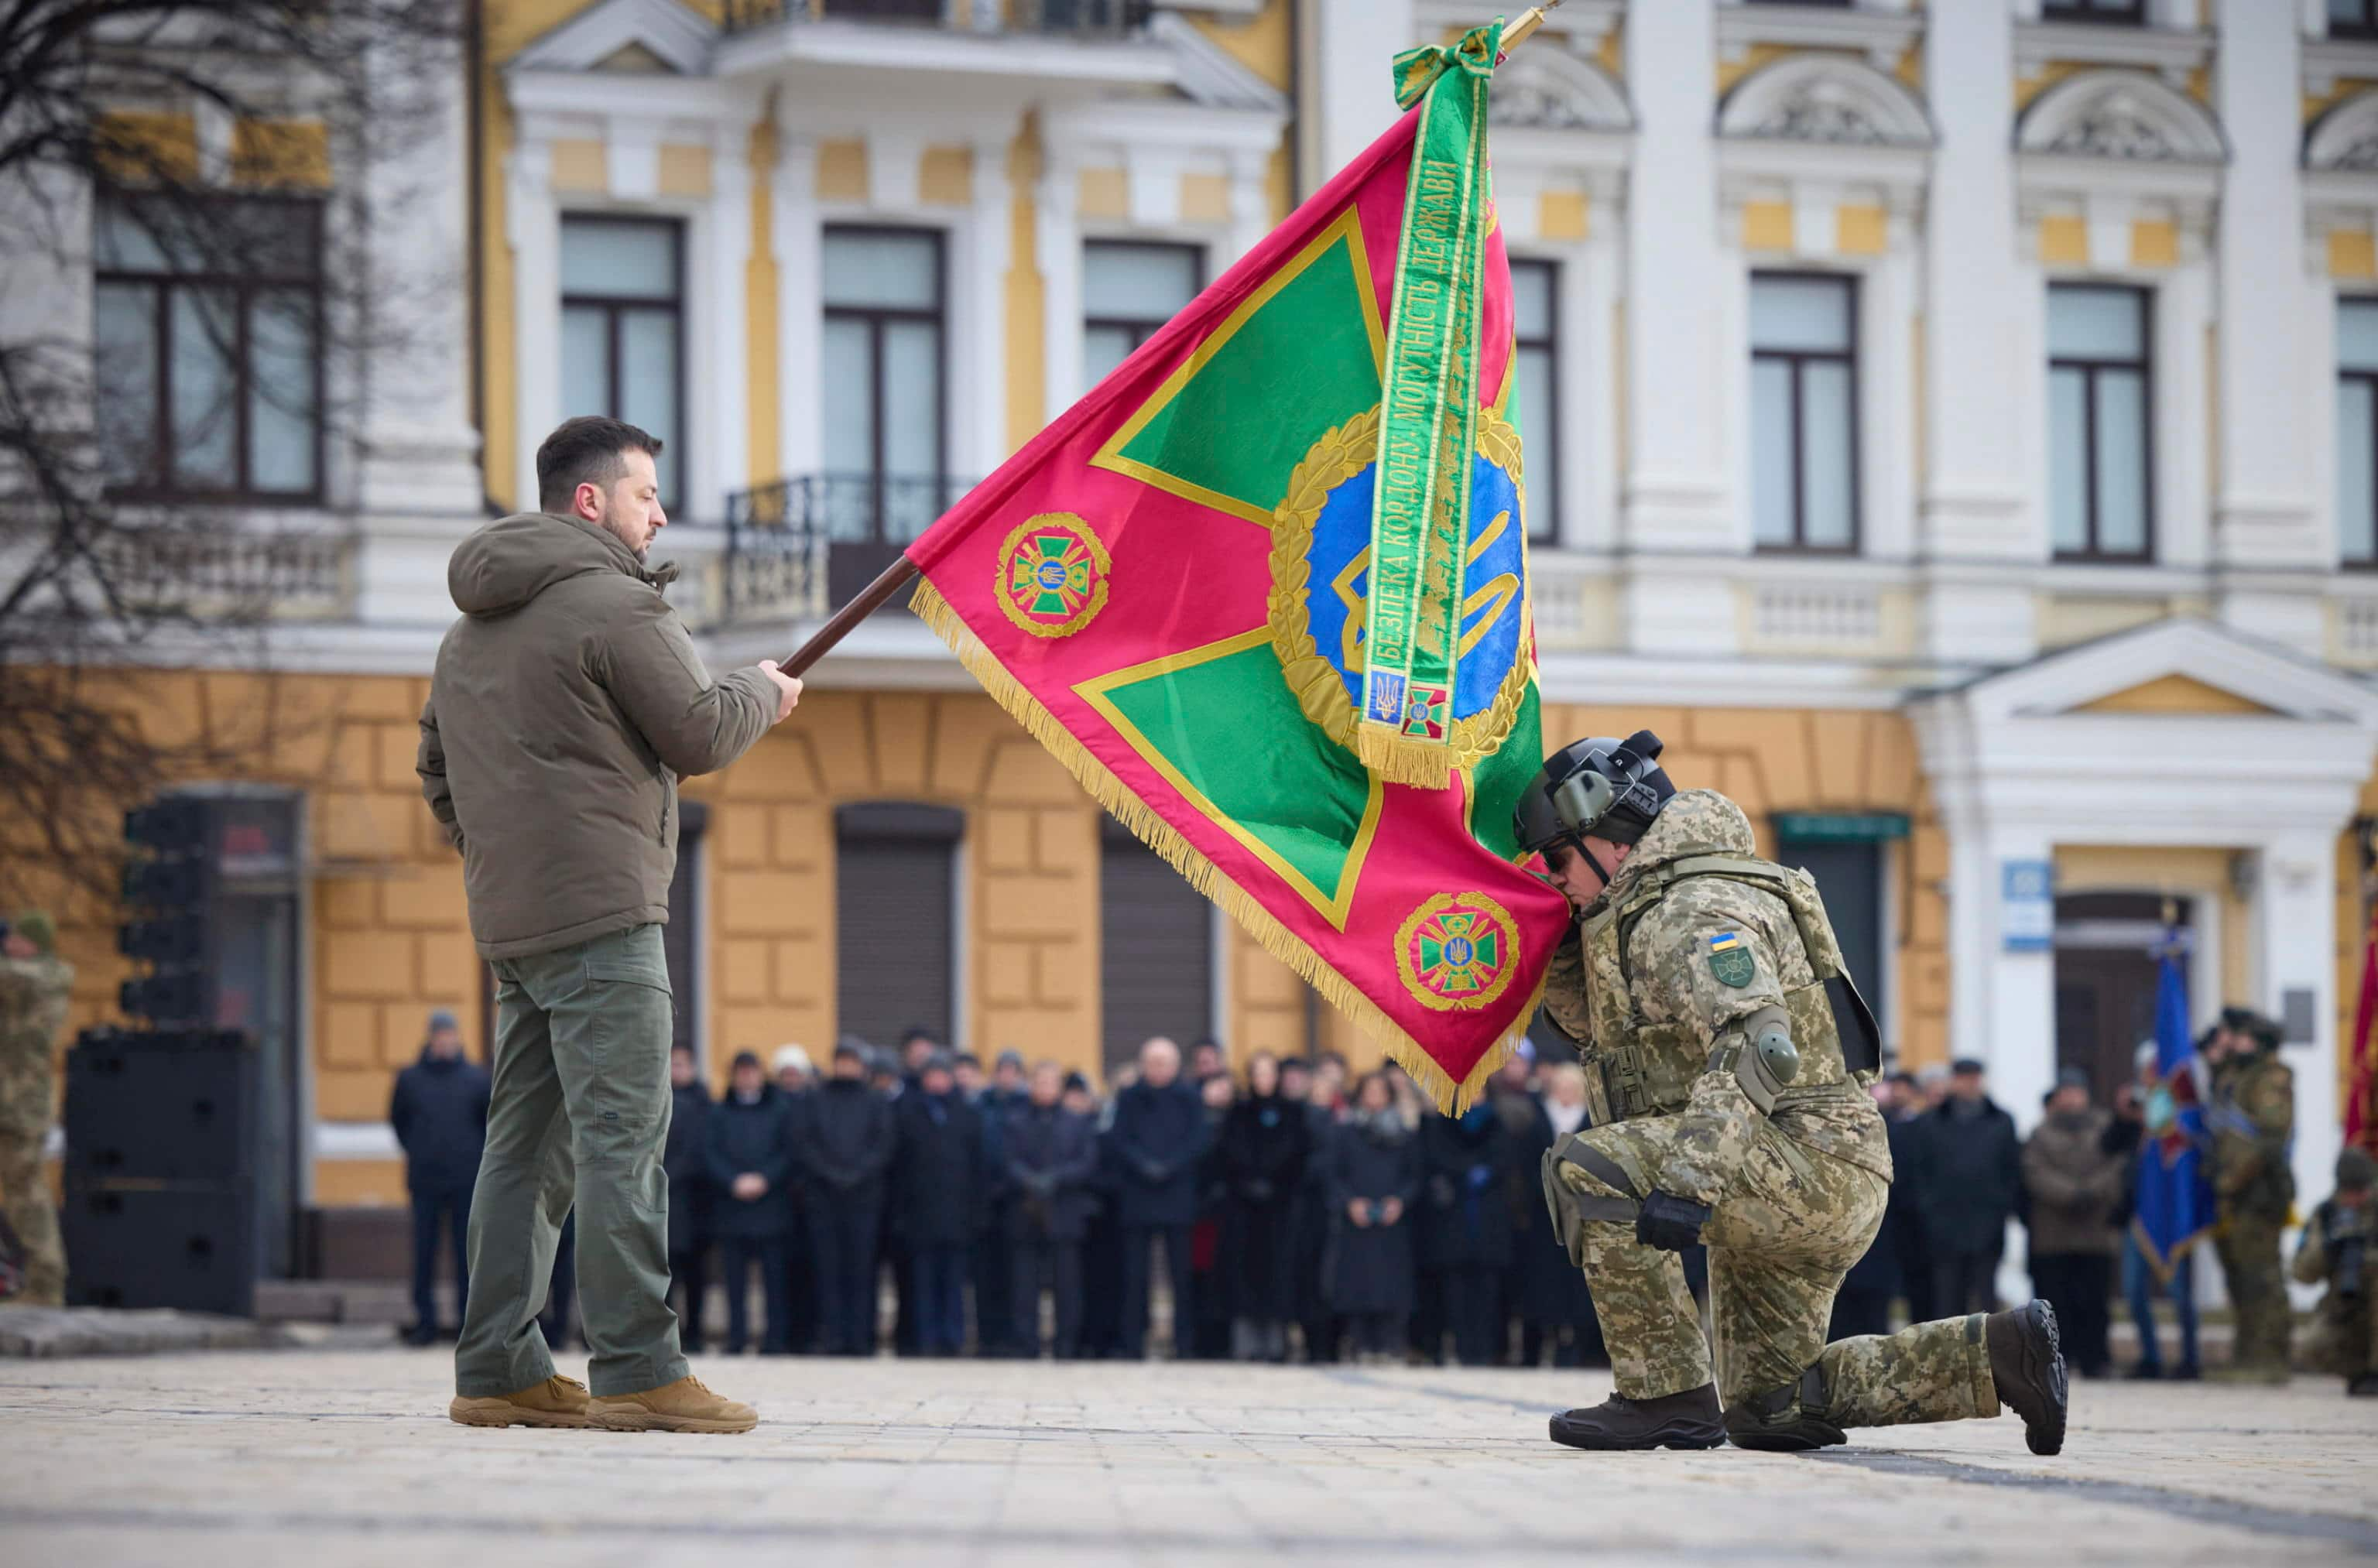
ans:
(1696, 821)
(511, 561)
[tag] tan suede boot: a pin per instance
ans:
(684, 1405)
(557, 1402)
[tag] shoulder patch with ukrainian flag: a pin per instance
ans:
(1730, 959)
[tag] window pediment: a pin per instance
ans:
(1823, 98)
(2124, 117)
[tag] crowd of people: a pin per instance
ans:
(1292, 1209)
(1287, 1209)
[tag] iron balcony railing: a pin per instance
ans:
(1111, 18)
(802, 548)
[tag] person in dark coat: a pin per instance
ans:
(1158, 1136)
(1210, 1292)
(795, 1074)
(938, 1181)
(1970, 1174)
(1322, 1325)
(439, 1114)
(1523, 1296)
(1465, 1236)
(752, 1144)
(686, 1159)
(1370, 1179)
(1049, 1158)
(1101, 1237)
(1264, 1143)
(2075, 1185)
(1556, 1300)
(845, 1147)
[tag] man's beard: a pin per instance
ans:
(614, 530)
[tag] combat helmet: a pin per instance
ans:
(1608, 788)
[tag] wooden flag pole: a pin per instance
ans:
(900, 573)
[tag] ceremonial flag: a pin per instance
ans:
(2175, 1207)
(1264, 590)
(2360, 1115)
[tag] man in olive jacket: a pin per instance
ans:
(565, 706)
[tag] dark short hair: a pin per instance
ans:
(1966, 1067)
(746, 1059)
(586, 450)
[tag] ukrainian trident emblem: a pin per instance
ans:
(1458, 951)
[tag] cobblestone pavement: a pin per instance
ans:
(343, 1457)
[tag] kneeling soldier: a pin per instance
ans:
(2334, 1252)
(1706, 982)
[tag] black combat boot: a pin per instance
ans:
(2027, 1363)
(1689, 1419)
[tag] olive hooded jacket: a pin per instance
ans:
(566, 704)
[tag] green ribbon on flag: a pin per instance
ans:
(1428, 419)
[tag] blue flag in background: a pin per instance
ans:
(2175, 1207)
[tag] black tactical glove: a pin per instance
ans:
(1670, 1223)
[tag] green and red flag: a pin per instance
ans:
(1264, 590)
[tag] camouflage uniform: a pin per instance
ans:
(2253, 1118)
(1796, 1196)
(2346, 1340)
(32, 1012)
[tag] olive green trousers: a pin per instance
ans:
(579, 1112)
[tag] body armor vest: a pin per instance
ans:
(1634, 1068)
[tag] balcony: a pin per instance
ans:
(800, 548)
(1091, 18)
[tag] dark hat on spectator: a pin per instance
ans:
(2356, 1172)
(966, 1059)
(2072, 1078)
(1075, 1080)
(743, 1059)
(1010, 1059)
(442, 1018)
(1967, 1064)
(940, 1062)
(855, 1050)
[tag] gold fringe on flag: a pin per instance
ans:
(1159, 835)
(1399, 759)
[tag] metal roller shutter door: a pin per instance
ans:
(1157, 962)
(894, 916)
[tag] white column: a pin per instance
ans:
(2293, 924)
(1347, 100)
(2182, 499)
(720, 434)
(1982, 389)
(980, 391)
(417, 449)
(1250, 205)
(2264, 516)
(533, 229)
(1886, 395)
(796, 239)
(1675, 497)
(1057, 239)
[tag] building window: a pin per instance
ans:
(1804, 412)
(2356, 431)
(1535, 398)
(1130, 289)
(2132, 11)
(886, 337)
(896, 920)
(208, 352)
(1156, 950)
(2100, 497)
(2353, 18)
(623, 328)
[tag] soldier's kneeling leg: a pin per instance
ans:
(1594, 1185)
(1790, 1419)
